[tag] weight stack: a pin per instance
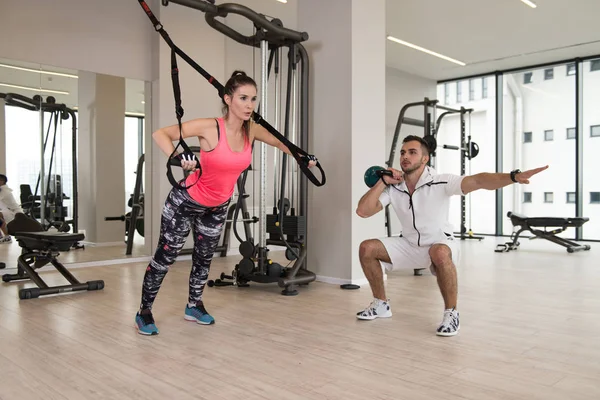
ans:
(293, 226)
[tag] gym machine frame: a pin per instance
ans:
(36, 104)
(270, 35)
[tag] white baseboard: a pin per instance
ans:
(104, 244)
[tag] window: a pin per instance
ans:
(484, 88)
(548, 197)
(571, 133)
(458, 92)
(548, 74)
(549, 135)
(570, 69)
(570, 197)
(471, 90)
(526, 197)
(590, 156)
(446, 93)
(527, 137)
(527, 77)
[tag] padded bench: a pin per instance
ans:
(533, 225)
(39, 249)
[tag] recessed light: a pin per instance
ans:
(38, 71)
(529, 3)
(433, 53)
(34, 89)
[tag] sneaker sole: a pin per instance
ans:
(373, 317)
(145, 333)
(190, 318)
(445, 334)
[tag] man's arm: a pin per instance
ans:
(369, 204)
(493, 181)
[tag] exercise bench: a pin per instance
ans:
(533, 225)
(40, 248)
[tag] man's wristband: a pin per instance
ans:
(513, 174)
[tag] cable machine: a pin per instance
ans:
(287, 225)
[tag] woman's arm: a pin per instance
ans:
(164, 137)
(262, 135)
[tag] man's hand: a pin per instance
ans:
(396, 178)
(523, 177)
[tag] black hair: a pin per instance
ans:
(3, 178)
(428, 143)
(237, 79)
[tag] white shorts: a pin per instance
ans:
(405, 255)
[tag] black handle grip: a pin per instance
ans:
(383, 172)
(177, 162)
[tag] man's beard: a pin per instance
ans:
(411, 168)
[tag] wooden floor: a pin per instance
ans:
(530, 330)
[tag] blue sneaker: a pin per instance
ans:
(199, 314)
(145, 324)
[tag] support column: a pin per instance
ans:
(348, 127)
(2, 138)
(101, 156)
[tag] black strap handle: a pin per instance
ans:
(300, 155)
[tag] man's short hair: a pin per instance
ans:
(424, 145)
(3, 178)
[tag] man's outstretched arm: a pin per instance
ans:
(493, 181)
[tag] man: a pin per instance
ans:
(420, 198)
(8, 208)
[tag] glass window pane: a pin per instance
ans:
(591, 149)
(542, 107)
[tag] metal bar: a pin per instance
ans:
(262, 229)
(413, 122)
(448, 109)
(276, 154)
(195, 4)
(579, 145)
(499, 150)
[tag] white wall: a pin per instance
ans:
(111, 37)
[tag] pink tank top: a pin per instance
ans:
(221, 167)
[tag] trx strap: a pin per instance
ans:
(300, 155)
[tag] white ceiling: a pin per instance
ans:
(489, 35)
(134, 89)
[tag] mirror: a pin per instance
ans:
(71, 147)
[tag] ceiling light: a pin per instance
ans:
(33, 88)
(39, 71)
(529, 3)
(282, 1)
(393, 39)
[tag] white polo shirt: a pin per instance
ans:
(424, 214)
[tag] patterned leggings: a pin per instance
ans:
(180, 214)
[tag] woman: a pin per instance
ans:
(226, 151)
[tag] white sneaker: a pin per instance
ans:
(450, 324)
(6, 239)
(377, 309)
